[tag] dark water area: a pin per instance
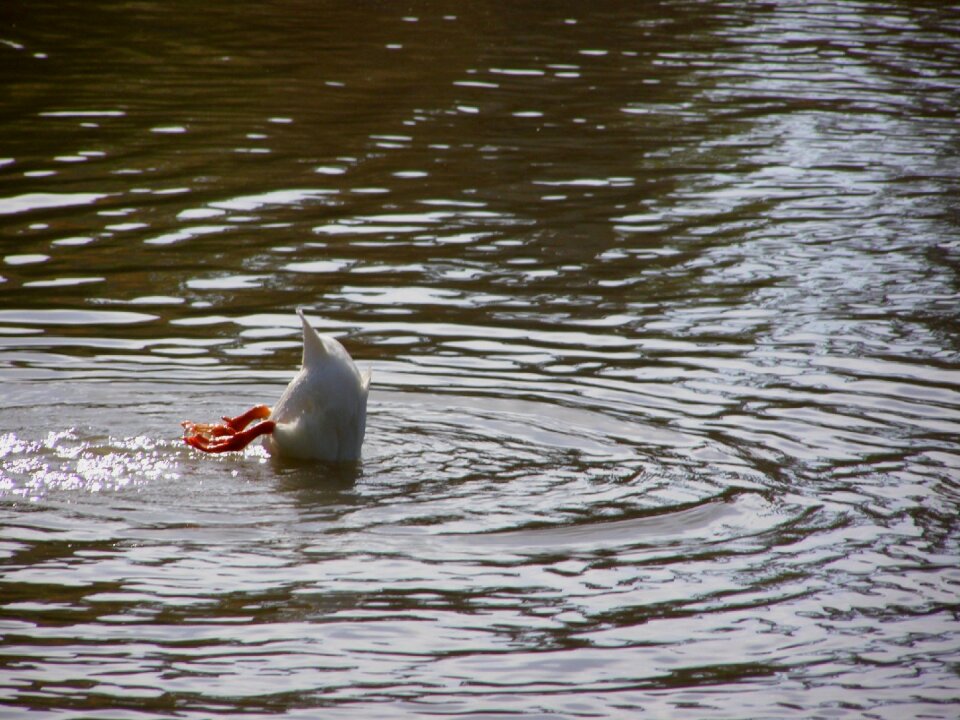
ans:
(661, 305)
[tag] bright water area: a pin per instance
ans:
(661, 304)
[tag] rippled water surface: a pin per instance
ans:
(661, 304)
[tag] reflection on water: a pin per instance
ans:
(660, 304)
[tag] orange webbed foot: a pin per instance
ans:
(231, 442)
(230, 435)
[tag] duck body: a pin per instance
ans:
(322, 414)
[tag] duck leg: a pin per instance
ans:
(232, 434)
(238, 423)
(227, 442)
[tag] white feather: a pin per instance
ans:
(322, 415)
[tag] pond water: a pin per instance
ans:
(661, 305)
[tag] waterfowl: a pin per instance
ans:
(322, 415)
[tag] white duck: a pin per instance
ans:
(322, 415)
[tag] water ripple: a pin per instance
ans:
(660, 303)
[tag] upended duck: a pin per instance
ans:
(322, 415)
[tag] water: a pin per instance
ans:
(661, 304)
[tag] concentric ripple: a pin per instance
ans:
(203, 577)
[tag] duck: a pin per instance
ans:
(322, 414)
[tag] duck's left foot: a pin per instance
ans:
(230, 435)
(219, 441)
